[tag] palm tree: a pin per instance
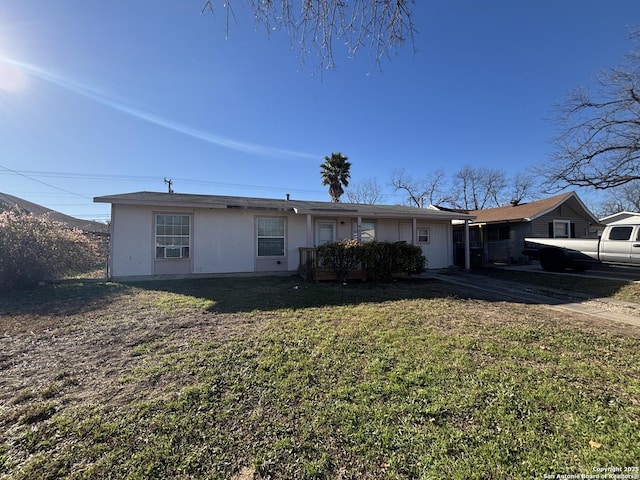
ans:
(335, 173)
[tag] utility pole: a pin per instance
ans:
(169, 183)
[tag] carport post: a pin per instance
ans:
(467, 250)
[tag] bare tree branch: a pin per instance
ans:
(314, 26)
(599, 143)
(478, 188)
(625, 198)
(522, 187)
(421, 192)
(367, 191)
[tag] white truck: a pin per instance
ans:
(618, 244)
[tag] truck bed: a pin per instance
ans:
(586, 247)
(619, 244)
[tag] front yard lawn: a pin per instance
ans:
(276, 378)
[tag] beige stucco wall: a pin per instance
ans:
(131, 241)
(224, 241)
(387, 230)
(439, 250)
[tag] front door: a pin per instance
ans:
(325, 231)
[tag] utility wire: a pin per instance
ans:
(119, 177)
(15, 172)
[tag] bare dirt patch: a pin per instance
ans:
(85, 357)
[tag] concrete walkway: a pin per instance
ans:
(605, 308)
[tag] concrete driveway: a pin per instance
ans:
(604, 308)
(610, 272)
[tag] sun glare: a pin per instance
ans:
(12, 78)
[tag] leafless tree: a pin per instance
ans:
(366, 191)
(625, 198)
(421, 192)
(522, 186)
(599, 143)
(316, 26)
(477, 188)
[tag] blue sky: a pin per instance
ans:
(100, 98)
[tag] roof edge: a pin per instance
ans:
(299, 207)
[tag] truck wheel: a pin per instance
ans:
(553, 260)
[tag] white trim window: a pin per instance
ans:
(423, 235)
(561, 229)
(173, 235)
(270, 233)
(367, 231)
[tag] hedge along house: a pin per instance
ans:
(183, 234)
(499, 233)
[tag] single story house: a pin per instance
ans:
(621, 218)
(185, 234)
(498, 233)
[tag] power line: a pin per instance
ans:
(146, 178)
(86, 176)
(43, 183)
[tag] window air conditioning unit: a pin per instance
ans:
(173, 252)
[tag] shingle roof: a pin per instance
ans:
(297, 206)
(625, 216)
(9, 201)
(527, 211)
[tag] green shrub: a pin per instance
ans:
(383, 260)
(380, 260)
(341, 257)
(36, 248)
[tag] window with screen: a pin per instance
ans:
(423, 235)
(561, 229)
(173, 235)
(271, 236)
(367, 231)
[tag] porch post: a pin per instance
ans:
(309, 230)
(414, 228)
(359, 230)
(467, 250)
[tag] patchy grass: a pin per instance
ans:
(273, 378)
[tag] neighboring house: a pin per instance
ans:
(621, 217)
(183, 234)
(498, 233)
(97, 229)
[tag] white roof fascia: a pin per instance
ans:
(616, 217)
(298, 207)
